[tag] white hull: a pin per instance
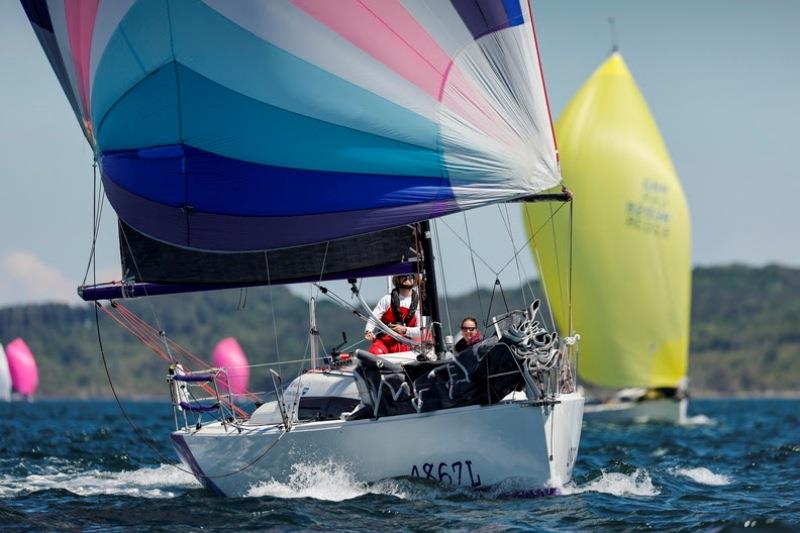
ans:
(665, 411)
(469, 446)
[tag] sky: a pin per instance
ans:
(721, 78)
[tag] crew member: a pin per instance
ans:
(399, 310)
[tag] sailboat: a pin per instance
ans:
(631, 251)
(22, 368)
(246, 144)
(228, 354)
(5, 377)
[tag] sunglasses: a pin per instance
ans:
(464, 328)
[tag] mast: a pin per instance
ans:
(430, 304)
(313, 332)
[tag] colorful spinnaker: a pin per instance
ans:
(241, 126)
(22, 367)
(631, 238)
(230, 356)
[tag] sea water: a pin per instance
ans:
(75, 466)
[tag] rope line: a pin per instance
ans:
(472, 256)
(443, 277)
(520, 269)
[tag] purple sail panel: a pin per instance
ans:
(208, 231)
(486, 16)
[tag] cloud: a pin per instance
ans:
(24, 278)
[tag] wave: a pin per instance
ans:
(164, 481)
(328, 481)
(637, 483)
(659, 452)
(335, 482)
(703, 476)
(698, 420)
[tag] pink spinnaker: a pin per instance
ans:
(22, 367)
(228, 354)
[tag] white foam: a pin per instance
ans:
(637, 483)
(155, 482)
(703, 476)
(659, 452)
(328, 481)
(698, 420)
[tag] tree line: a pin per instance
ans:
(745, 333)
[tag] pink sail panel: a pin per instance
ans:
(22, 367)
(229, 355)
(80, 18)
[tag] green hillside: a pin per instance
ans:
(745, 330)
(745, 333)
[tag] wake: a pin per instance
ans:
(164, 481)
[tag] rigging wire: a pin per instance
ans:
(529, 240)
(533, 234)
(93, 263)
(98, 198)
(557, 258)
(322, 268)
(96, 213)
(136, 429)
(443, 277)
(525, 279)
(139, 432)
(570, 266)
(507, 222)
(154, 340)
(469, 246)
(513, 259)
(271, 291)
(474, 269)
(144, 287)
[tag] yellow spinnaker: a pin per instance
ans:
(631, 276)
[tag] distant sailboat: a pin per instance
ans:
(22, 368)
(631, 249)
(5, 377)
(230, 356)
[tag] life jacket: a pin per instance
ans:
(400, 315)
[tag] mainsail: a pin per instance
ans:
(631, 238)
(244, 126)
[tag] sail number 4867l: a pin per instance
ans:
(453, 473)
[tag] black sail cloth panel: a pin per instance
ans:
(150, 261)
